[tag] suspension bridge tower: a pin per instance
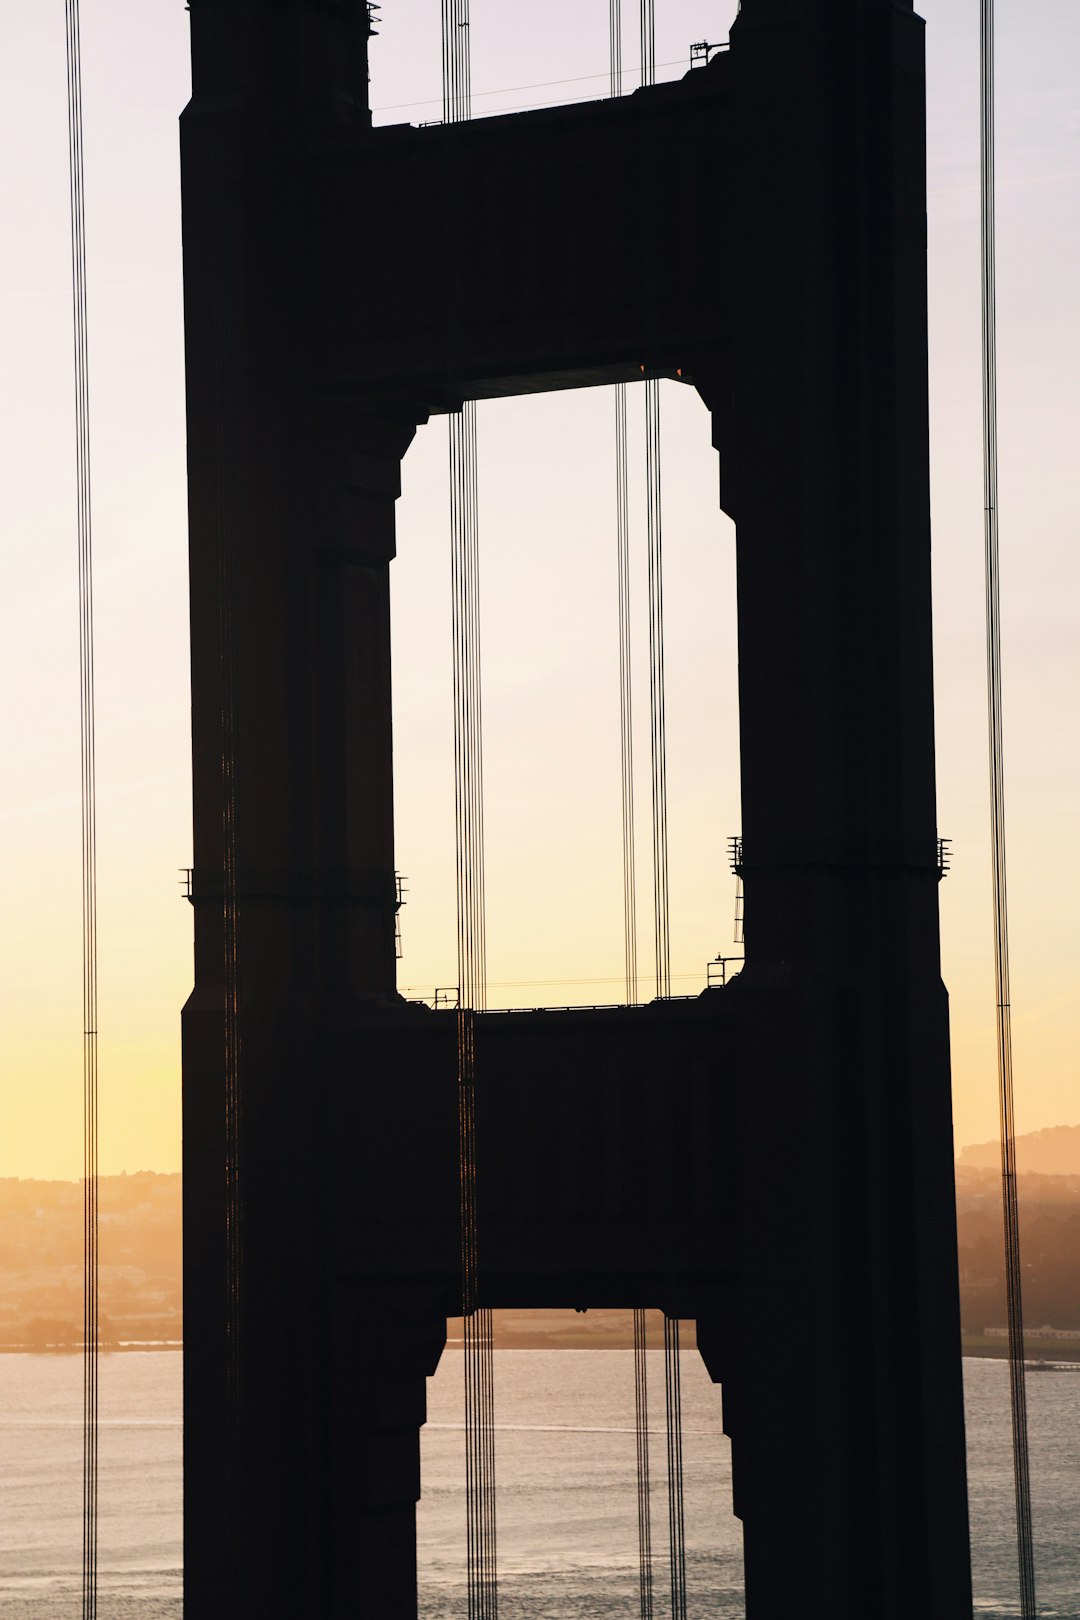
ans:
(773, 1160)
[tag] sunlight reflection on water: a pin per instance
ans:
(567, 1525)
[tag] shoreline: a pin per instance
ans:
(151, 1345)
(1037, 1352)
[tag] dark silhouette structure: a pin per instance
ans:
(774, 1159)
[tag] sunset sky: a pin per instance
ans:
(548, 580)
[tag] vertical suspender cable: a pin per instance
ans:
(676, 1514)
(661, 908)
(471, 914)
(647, 24)
(626, 707)
(626, 761)
(89, 815)
(622, 565)
(468, 800)
(661, 897)
(641, 1431)
(1010, 1205)
(661, 902)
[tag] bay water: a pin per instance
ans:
(567, 1524)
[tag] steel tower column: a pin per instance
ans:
(849, 1455)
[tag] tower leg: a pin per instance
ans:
(843, 1358)
(291, 520)
(384, 1347)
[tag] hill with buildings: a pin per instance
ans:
(41, 1262)
(41, 1242)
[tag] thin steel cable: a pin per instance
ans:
(657, 718)
(629, 858)
(1010, 1202)
(456, 62)
(615, 67)
(622, 550)
(676, 1510)
(472, 975)
(626, 703)
(630, 968)
(661, 893)
(513, 89)
(647, 19)
(481, 1552)
(88, 785)
(641, 1438)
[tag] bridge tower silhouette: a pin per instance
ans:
(773, 1159)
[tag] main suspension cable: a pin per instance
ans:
(1009, 1192)
(482, 1572)
(88, 782)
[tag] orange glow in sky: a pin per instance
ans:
(548, 585)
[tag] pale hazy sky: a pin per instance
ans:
(554, 872)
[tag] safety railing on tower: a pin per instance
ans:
(943, 857)
(716, 971)
(400, 892)
(702, 52)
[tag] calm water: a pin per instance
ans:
(567, 1526)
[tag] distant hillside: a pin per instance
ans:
(41, 1261)
(1053, 1152)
